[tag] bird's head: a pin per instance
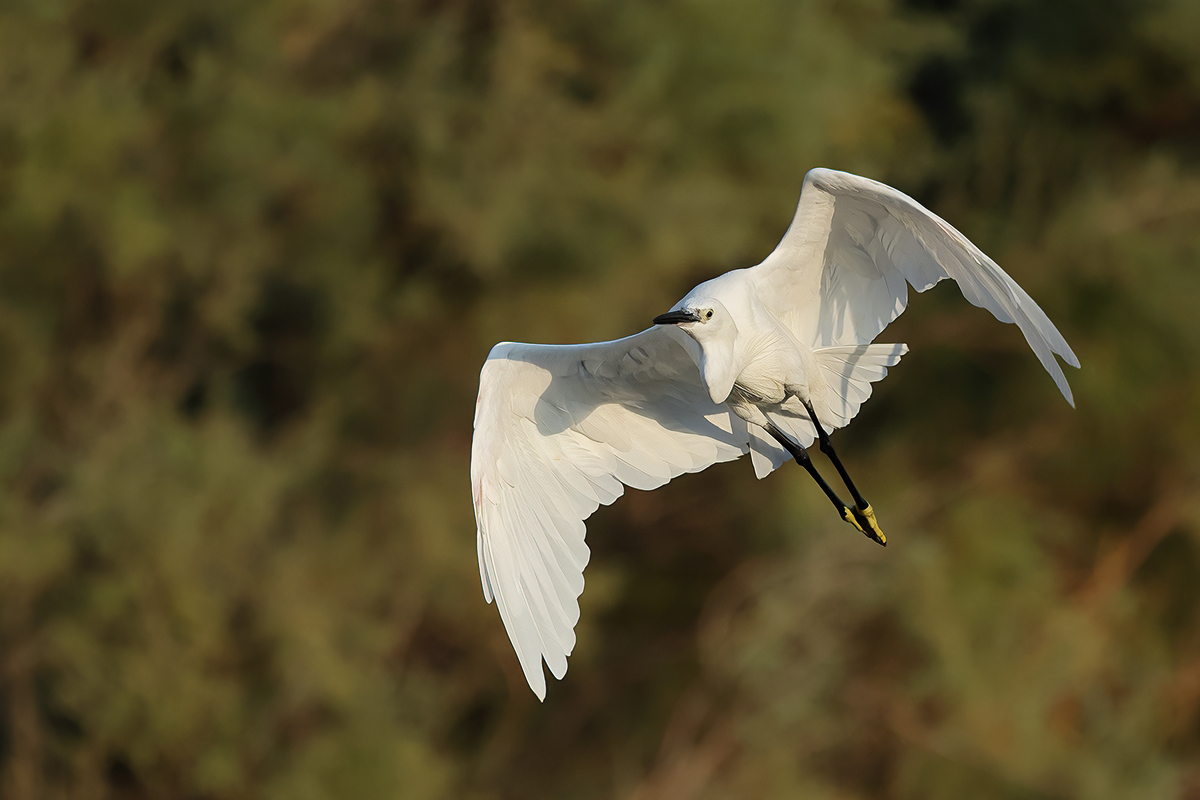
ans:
(702, 318)
(712, 327)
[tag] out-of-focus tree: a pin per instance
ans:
(252, 256)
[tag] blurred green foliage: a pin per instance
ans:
(252, 256)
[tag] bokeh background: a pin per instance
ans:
(252, 257)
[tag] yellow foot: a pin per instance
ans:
(868, 525)
(863, 519)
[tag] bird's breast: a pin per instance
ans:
(772, 368)
(762, 383)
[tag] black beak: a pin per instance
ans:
(676, 317)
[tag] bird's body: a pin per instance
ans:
(759, 365)
(763, 360)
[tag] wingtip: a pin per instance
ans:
(536, 680)
(481, 552)
(1065, 388)
(1060, 380)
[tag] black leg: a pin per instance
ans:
(862, 509)
(854, 517)
(827, 449)
(801, 456)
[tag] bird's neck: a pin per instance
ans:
(719, 368)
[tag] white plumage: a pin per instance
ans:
(561, 429)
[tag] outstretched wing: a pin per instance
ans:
(559, 430)
(842, 271)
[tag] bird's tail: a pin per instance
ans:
(849, 371)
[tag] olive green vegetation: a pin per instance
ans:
(252, 256)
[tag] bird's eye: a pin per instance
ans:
(708, 314)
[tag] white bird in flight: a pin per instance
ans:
(763, 360)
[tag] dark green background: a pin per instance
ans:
(253, 254)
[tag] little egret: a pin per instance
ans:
(763, 360)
